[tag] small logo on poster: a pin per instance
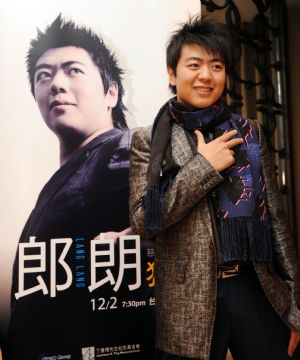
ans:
(88, 353)
(55, 357)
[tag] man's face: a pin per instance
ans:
(200, 77)
(69, 91)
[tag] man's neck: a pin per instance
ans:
(67, 148)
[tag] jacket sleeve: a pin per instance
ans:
(193, 181)
(284, 248)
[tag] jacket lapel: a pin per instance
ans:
(181, 149)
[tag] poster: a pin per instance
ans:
(70, 290)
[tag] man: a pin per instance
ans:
(64, 304)
(202, 183)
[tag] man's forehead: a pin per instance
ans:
(64, 54)
(195, 50)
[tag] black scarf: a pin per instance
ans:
(240, 200)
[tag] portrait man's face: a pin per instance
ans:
(200, 77)
(69, 92)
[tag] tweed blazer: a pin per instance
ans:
(185, 265)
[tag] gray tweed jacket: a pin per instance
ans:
(185, 266)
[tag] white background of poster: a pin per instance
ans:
(137, 30)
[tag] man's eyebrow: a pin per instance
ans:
(217, 59)
(197, 58)
(64, 65)
(42, 66)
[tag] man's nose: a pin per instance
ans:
(205, 73)
(59, 83)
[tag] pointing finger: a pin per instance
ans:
(228, 135)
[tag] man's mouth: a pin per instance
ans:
(203, 89)
(56, 103)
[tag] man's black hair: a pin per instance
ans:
(214, 37)
(65, 33)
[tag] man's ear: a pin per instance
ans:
(112, 95)
(172, 76)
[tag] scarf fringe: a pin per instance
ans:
(152, 203)
(246, 239)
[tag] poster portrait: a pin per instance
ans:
(78, 294)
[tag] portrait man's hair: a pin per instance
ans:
(66, 33)
(214, 37)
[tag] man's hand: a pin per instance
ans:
(113, 235)
(294, 341)
(218, 152)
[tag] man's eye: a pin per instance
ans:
(42, 75)
(193, 66)
(217, 67)
(75, 71)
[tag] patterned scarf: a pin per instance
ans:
(239, 201)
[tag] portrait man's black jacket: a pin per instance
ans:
(87, 196)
